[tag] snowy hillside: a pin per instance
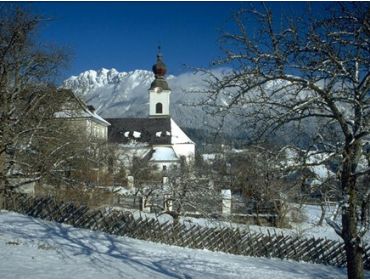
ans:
(33, 248)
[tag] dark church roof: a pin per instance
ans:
(143, 130)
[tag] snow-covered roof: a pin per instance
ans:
(321, 172)
(295, 156)
(164, 154)
(81, 111)
(314, 161)
(137, 134)
(211, 157)
(226, 193)
(97, 118)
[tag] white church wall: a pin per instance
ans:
(187, 150)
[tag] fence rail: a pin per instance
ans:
(229, 240)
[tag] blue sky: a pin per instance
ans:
(125, 35)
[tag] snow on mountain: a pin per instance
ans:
(125, 94)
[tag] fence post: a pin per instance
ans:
(130, 182)
(143, 204)
(167, 202)
(226, 201)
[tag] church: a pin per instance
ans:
(157, 138)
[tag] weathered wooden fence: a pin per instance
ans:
(229, 240)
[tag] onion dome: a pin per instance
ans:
(159, 70)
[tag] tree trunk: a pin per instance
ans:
(5, 185)
(323, 213)
(355, 264)
(5, 189)
(2, 198)
(2, 180)
(258, 222)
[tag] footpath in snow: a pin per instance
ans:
(33, 248)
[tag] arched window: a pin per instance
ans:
(158, 108)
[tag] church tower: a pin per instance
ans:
(159, 92)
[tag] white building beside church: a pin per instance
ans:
(157, 138)
(83, 117)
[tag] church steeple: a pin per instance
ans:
(159, 92)
(159, 69)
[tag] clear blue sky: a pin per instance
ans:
(125, 35)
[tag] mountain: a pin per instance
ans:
(125, 94)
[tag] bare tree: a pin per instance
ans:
(311, 169)
(34, 143)
(191, 191)
(301, 71)
(182, 191)
(258, 174)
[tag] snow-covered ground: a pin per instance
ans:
(307, 228)
(33, 248)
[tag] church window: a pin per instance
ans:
(158, 108)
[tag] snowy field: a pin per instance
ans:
(308, 228)
(32, 248)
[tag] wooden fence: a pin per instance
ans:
(229, 240)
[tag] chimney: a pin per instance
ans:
(91, 108)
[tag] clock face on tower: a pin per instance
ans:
(157, 89)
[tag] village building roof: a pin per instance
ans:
(76, 108)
